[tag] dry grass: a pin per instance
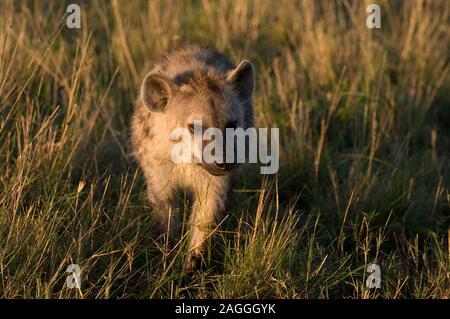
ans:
(364, 122)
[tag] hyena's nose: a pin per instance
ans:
(224, 166)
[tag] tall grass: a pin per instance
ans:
(364, 122)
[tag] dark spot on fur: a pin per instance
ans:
(183, 78)
(213, 85)
(148, 132)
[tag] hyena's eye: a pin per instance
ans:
(232, 124)
(191, 127)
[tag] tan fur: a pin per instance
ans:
(190, 83)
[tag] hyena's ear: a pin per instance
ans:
(243, 79)
(156, 91)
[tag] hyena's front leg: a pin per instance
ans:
(165, 209)
(207, 211)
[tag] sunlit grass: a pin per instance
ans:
(363, 117)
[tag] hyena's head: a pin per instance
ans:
(201, 104)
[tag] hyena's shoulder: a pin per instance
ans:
(191, 59)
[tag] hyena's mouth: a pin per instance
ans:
(218, 169)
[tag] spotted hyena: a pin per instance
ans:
(189, 84)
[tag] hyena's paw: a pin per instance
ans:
(194, 261)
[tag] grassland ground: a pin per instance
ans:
(364, 124)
